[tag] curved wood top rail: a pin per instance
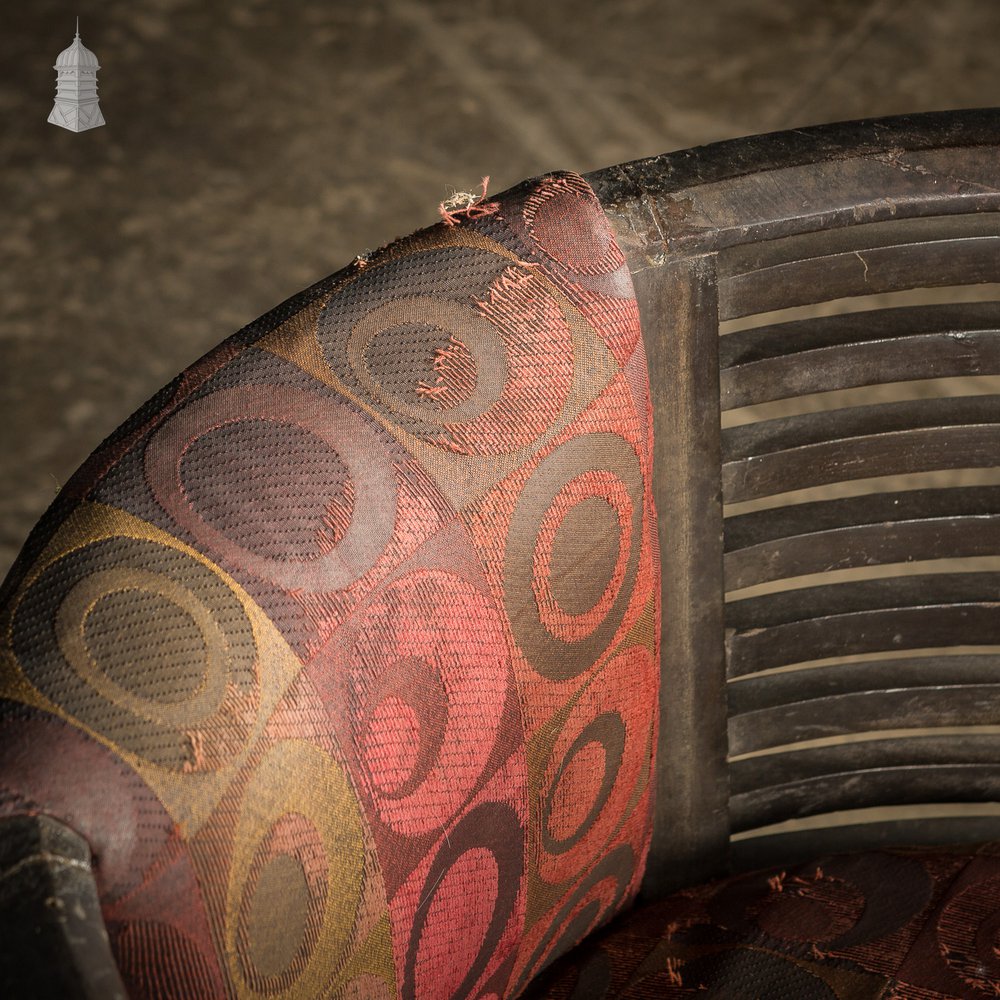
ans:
(703, 199)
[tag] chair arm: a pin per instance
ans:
(55, 942)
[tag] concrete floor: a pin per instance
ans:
(254, 147)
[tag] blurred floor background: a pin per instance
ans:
(253, 147)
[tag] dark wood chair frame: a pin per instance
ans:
(736, 229)
(749, 227)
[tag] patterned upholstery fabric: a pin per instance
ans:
(341, 653)
(893, 925)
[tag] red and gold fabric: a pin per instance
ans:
(342, 652)
(916, 924)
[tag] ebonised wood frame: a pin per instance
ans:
(735, 231)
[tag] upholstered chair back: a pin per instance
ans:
(341, 654)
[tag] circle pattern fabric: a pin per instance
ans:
(886, 925)
(355, 628)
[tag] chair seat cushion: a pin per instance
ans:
(914, 924)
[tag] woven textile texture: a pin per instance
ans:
(888, 925)
(341, 652)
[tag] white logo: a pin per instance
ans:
(76, 106)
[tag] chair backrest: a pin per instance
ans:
(341, 654)
(828, 646)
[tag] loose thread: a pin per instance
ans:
(467, 205)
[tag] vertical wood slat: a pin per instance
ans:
(679, 308)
